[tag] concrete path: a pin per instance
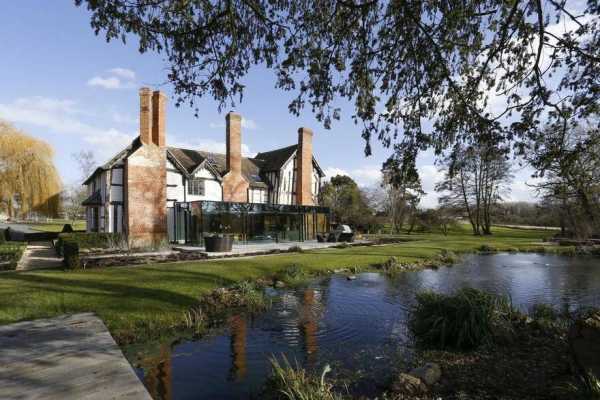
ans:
(252, 248)
(39, 255)
(68, 357)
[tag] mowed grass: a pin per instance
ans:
(140, 302)
(57, 226)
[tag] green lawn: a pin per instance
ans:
(138, 302)
(57, 226)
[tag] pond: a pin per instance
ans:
(356, 326)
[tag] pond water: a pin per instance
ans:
(356, 326)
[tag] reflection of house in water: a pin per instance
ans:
(309, 323)
(158, 377)
(237, 325)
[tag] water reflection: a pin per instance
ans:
(237, 326)
(359, 326)
(157, 377)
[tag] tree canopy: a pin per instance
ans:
(28, 179)
(420, 74)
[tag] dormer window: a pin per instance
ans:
(196, 187)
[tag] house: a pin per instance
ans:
(152, 192)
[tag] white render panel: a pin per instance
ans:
(286, 186)
(212, 187)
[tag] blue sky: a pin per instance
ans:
(69, 87)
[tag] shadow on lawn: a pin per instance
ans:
(128, 294)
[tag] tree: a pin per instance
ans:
(476, 178)
(76, 193)
(402, 194)
(347, 202)
(420, 74)
(569, 162)
(29, 181)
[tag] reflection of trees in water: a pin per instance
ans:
(237, 325)
(158, 376)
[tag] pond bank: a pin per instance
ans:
(358, 326)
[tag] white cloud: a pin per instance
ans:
(430, 175)
(64, 117)
(364, 176)
(107, 83)
(209, 145)
(123, 73)
(249, 124)
(117, 78)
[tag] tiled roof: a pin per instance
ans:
(95, 199)
(190, 160)
(273, 160)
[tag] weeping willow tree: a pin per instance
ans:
(29, 181)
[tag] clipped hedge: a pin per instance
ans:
(10, 254)
(2, 236)
(86, 240)
(71, 255)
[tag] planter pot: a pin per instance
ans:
(216, 244)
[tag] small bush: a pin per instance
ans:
(296, 249)
(71, 255)
(464, 320)
(295, 383)
(448, 257)
(291, 274)
(10, 254)
(67, 228)
(543, 312)
(486, 248)
(2, 236)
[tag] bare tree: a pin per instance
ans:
(75, 194)
(476, 178)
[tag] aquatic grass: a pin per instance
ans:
(295, 383)
(465, 320)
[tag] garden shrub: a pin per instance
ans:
(2, 236)
(92, 240)
(11, 252)
(67, 228)
(448, 257)
(465, 320)
(71, 254)
(296, 249)
(486, 248)
(543, 312)
(291, 274)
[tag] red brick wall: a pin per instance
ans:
(304, 168)
(146, 196)
(235, 186)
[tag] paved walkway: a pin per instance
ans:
(68, 357)
(253, 248)
(39, 255)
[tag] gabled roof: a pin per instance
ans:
(133, 146)
(192, 160)
(274, 160)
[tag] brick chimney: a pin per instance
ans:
(304, 168)
(145, 176)
(159, 104)
(146, 115)
(235, 186)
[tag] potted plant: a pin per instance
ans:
(219, 242)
